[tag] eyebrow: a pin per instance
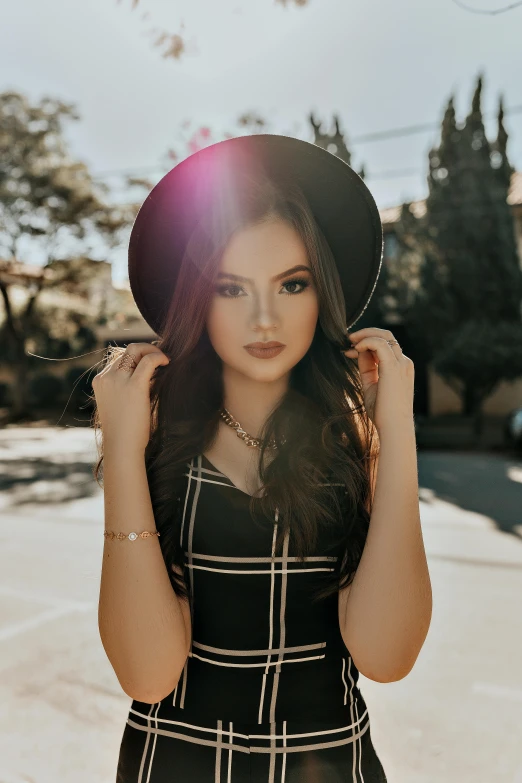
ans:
(291, 271)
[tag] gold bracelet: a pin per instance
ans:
(130, 536)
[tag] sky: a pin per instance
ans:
(379, 64)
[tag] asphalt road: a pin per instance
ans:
(457, 718)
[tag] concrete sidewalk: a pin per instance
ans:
(457, 718)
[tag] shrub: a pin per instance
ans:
(46, 390)
(78, 387)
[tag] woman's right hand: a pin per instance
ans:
(123, 398)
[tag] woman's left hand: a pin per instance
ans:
(387, 377)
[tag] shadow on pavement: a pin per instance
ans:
(484, 483)
(41, 480)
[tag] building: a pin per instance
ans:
(110, 310)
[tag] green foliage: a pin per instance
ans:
(49, 201)
(335, 142)
(58, 333)
(467, 307)
(45, 195)
(470, 229)
(480, 353)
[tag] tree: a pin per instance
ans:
(467, 310)
(333, 142)
(47, 200)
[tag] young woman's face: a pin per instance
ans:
(264, 294)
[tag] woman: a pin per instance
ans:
(247, 580)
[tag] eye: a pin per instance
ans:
(231, 291)
(291, 284)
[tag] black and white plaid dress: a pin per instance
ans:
(269, 691)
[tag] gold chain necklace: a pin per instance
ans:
(240, 432)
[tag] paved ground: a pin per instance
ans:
(457, 718)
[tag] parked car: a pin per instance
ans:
(513, 428)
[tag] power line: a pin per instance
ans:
(408, 130)
(484, 12)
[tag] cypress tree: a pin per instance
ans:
(467, 311)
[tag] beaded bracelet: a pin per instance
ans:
(130, 536)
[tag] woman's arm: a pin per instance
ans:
(385, 613)
(145, 629)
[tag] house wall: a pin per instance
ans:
(444, 400)
(99, 297)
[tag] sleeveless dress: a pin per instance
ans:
(269, 691)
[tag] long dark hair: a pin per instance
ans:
(323, 432)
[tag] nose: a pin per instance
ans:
(264, 317)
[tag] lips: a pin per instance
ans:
(269, 344)
(264, 350)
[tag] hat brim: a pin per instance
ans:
(342, 205)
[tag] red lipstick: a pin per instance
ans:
(264, 350)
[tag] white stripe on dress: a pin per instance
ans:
(253, 748)
(270, 637)
(209, 730)
(282, 628)
(230, 751)
(283, 771)
(146, 746)
(354, 770)
(258, 571)
(344, 681)
(217, 772)
(153, 745)
(189, 547)
(187, 493)
(254, 665)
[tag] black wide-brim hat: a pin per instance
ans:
(201, 185)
